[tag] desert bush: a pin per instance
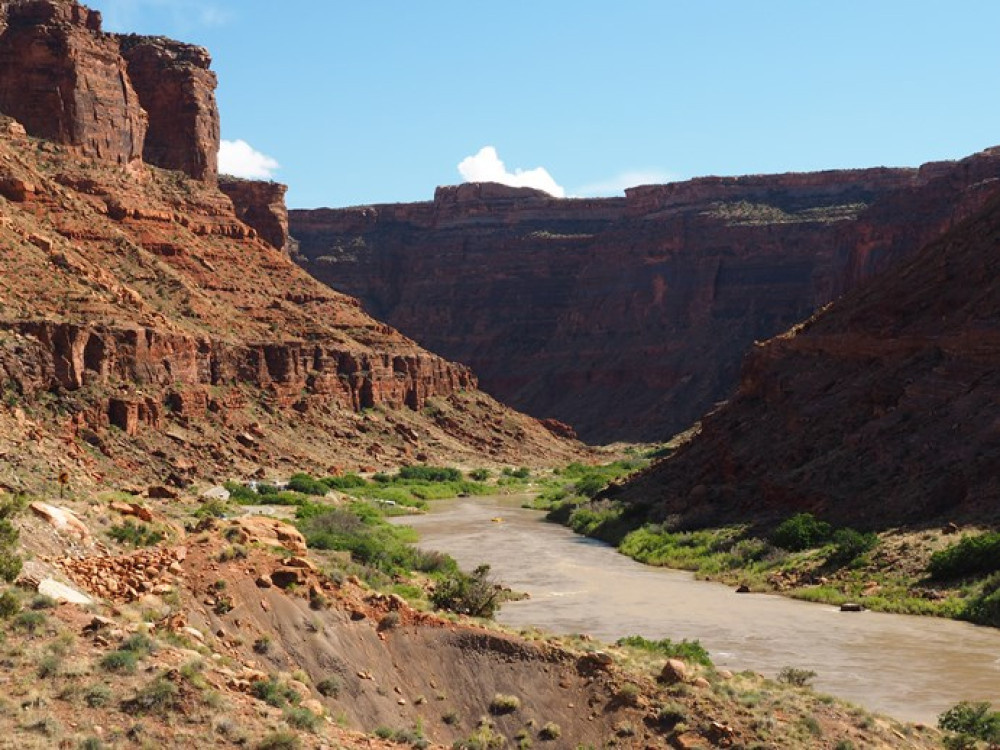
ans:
(262, 645)
(10, 562)
(479, 475)
(984, 607)
(135, 534)
(273, 692)
(971, 721)
(29, 621)
(800, 532)
(970, 555)
(551, 731)
(796, 677)
(49, 665)
(687, 650)
(41, 601)
(345, 482)
(849, 545)
(429, 474)
(307, 485)
(329, 687)
(504, 704)
(120, 661)
(10, 604)
(158, 697)
(472, 594)
(301, 718)
(97, 695)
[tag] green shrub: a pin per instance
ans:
(158, 697)
(307, 485)
(273, 692)
(849, 545)
(241, 493)
(472, 594)
(41, 601)
(345, 482)
(971, 555)
(120, 661)
(10, 604)
(262, 645)
(139, 644)
(30, 621)
(479, 475)
(691, 651)
(984, 607)
(504, 704)
(329, 687)
(796, 677)
(974, 720)
(301, 718)
(429, 474)
(800, 532)
(97, 695)
(138, 535)
(551, 731)
(50, 665)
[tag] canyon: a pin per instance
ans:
(628, 318)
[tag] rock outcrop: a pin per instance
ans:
(260, 204)
(177, 90)
(880, 410)
(64, 80)
(117, 98)
(628, 318)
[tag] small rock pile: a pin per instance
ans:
(127, 577)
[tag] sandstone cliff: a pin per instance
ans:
(628, 318)
(879, 410)
(261, 205)
(115, 98)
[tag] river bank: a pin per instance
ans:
(889, 663)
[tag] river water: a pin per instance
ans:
(912, 668)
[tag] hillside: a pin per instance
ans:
(879, 410)
(628, 318)
(147, 334)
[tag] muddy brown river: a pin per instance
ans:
(912, 668)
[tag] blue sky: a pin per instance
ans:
(380, 101)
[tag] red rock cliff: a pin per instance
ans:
(628, 318)
(879, 411)
(261, 205)
(66, 81)
(116, 98)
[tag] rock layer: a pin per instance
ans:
(628, 318)
(261, 205)
(880, 410)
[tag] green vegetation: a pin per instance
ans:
(970, 555)
(504, 704)
(274, 693)
(796, 677)
(10, 562)
(801, 532)
(473, 594)
(137, 535)
(691, 651)
(970, 722)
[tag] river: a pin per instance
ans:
(912, 668)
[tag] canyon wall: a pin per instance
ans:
(261, 205)
(117, 98)
(628, 318)
(880, 410)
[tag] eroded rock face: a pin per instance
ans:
(628, 318)
(177, 90)
(66, 81)
(261, 205)
(879, 411)
(117, 98)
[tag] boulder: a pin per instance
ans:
(673, 671)
(61, 519)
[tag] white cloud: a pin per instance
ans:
(616, 185)
(486, 166)
(239, 159)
